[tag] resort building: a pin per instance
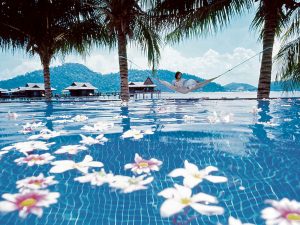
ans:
(30, 90)
(81, 89)
(138, 87)
(3, 92)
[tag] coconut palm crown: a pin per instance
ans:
(128, 21)
(47, 28)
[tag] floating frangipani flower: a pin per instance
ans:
(70, 149)
(28, 201)
(268, 124)
(188, 118)
(179, 197)
(46, 134)
(58, 117)
(255, 110)
(100, 139)
(34, 183)
(142, 165)
(130, 184)
(30, 127)
(62, 121)
(120, 117)
(136, 134)
(283, 212)
(65, 165)
(12, 115)
(99, 126)
(193, 176)
(35, 159)
(233, 221)
(214, 118)
(80, 118)
(97, 178)
(29, 146)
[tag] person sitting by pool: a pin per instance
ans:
(183, 83)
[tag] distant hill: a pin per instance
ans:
(63, 76)
(239, 87)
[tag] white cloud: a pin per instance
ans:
(206, 65)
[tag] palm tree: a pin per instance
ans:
(201, 17)
(288, 57)
(128, 21)
(271, 19)
(47, 28)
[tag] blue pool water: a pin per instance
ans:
(260, 159)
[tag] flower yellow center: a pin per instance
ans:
(198, 176)
(38, 183)
(293, 216)
(143, 164)
(185, 201)
(133, 181)
(28, 202)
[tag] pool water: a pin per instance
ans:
(258, 152)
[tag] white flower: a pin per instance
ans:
(79, 118)
(29, 127)
(130, 184)
(99, 126)
(233, 221)
(31, 160)
(180, 197)
(28, 201)
(97, 178)
(227, 118)
(12, 115)
(142, 165)
(29, 146)
(70, 149)
(283, 212)
(56, 117)
(120, 117)
(34, 183)
(63, 121)
(65, 165)
(255, 110)
(193, 176)
(133, 133)
(214, 118)
(187, 118)
(100, 139)
(46, 134)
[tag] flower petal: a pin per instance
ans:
(207, 209)
(6, 206)
(216, 179)
(202, 197)
(61, 168)
(137, 158)
(167, 193)
(170, 207)
(177, 173)
(184, 192)
(191, 181)
(190, 167)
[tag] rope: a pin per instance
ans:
(227, 71)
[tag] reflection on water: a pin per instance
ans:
(258, 152)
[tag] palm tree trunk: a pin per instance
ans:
(46, 67)
(266, 63)
(122, 50)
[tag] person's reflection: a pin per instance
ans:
(125, 118)
(48, 113)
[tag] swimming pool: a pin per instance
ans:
(256, 149)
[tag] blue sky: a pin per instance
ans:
(203, 56)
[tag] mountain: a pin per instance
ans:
(239, 87)
(63, 76)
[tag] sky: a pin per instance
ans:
(204, 57)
